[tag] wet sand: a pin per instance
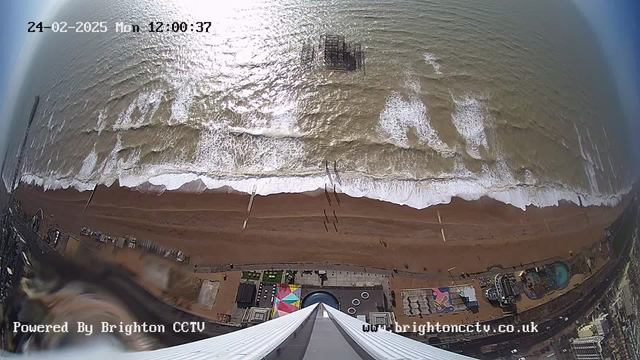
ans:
(290, 228)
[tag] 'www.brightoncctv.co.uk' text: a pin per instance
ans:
(429, 328)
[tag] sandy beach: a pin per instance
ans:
(291, 228)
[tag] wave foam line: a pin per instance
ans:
(469, 120)
(417, 194)
(432, 60)
(403, 114)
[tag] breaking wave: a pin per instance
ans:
(267, 154)
(433, 61)
(494, 181)
(418, 194)
(401, 115)
(469, 119)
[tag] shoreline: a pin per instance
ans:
(287, 228)
(418, 194)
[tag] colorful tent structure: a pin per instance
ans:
(286, 300)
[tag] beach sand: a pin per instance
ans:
(290, 228)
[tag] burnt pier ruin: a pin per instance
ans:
(336, 52)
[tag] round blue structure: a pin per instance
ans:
(321, 297)
(563, 274)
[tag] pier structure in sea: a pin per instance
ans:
(336, 52)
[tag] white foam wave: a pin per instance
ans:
(591, 176)
(222, 160)
(594, 147)
(432, 60)
(611, 166)
(183, 100)
(469, 119)
(412, 84)
(5, 182)
(274, 164)
(114, 165)
(102, 119)
(88, 164)
(50, 122)
(416, 194)
(529, 179)
(238, 130)
(580, 142)
(64, 121)
(605, 135)
(146, 103)
(599, 157)
(588, 163)
(279, 149)
(56, 180)
(402, 115)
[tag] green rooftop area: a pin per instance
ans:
(272, 276)
(251, 275)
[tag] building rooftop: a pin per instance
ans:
(588, 340)
(246, 293)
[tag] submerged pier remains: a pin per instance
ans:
(336, 52)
